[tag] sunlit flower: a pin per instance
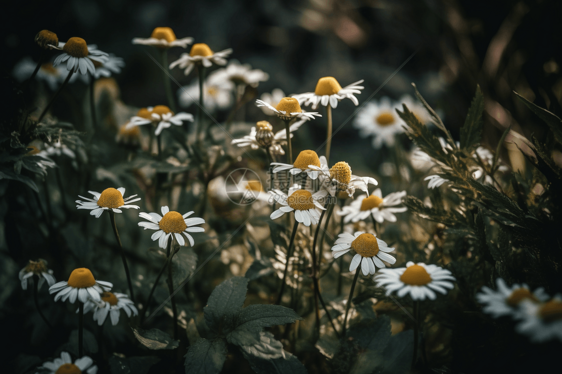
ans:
(64, 365)
(380, 120)
(200, 54)
(305, 204)
(164, 37)
(541, 321)
(51, 75)
(329, 92)
(381, 208)
(303, 164)
(46, 39)
(369, 251)
(262, 136)
(339, 178)
(417, 109)
(111, 66)
(243, 75)
(162, 117)
(288, 109)
(217, 93)
(79, 57)
(419, 280)
(435, 181)
(38, 268)
(272, 99)
(110, 198)
(507, 300)
(81, 285)
(111, 303)
(171, 224)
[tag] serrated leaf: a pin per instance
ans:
(225, 302)
(205, 357)
(551, 119)
(131, 365)
(259, 268)
(434, 117)
(155, 339)
(266, 348)
(288, 365)
(498, 149)
(471, 132)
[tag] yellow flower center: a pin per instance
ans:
(76, 47)
(200, 49)
(111, 198)
(172, 222)
(264, 125)
(109, 297)
(366, 245)
(341, 172)
(551, 311)
(343, 195)
(33, 151)
(370, 202)
(68, 369)
(161, 110)
(133, 132)
(212, 91)
(385, 119)
(49, 68)
(81, 278)
(143, 113)
(415, 275)
(519, 295)
(289, 105)
(301, 200)
(36, 267)
(306, 158)
(327, 86)
(163, 33)
(254, 186)
(46, 37)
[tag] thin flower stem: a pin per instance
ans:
(80, 329)
(164, 56)
(61, 188)
(416, 332)
(39, 63)
(171, 287)
(340, 277)
(149, 300)
(289, 254)
(114, 226)
(321, 247)
(93, 101)
(48, 200)
(329, 134)
(325, 308)
(159, 144)
(36, 301)
(55, 96)
(344, 328)
(201, 73)
(289, 142)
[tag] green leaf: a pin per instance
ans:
(8, 174)
(498, 149)
(90, 342)
(398, 353)
(155, 339)
(259, 268)
(225, 302)
(205, 357)
(372, 335)
(471, 132)
(552, 120)
(434, 117)
(183, 265)
(288, 365)
(131, 365)
(267, 348)
(328, 345)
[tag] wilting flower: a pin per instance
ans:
(38, 268)
(217, 93)
(288, 109)
(304, 203)
(303, 164)
(507, 300)
(164, 37)
(51, 75)
(64, 365)
(110, 198)
(381, 121)
(171, 224)
(46, 39)
(339, 178)
(369, 250)
(78, 56)
(111, 303)
(381, 208)
(81, 285)
(111, 66)
(272, 99)
(541, 321)
(419, 280)
(200, 54)
(162, 117)
(329, 92)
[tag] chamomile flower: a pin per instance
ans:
(171, 224)
(111, 66)
(419, 280)
(339, 178)
(46, 39)
(51, 75)
(435, 181)
(79, 57)
(381, 208)
(164, 37)
(128, 135)
(81, 285)
(217, 93)
(379, 119)
(112, 304)
(38, 268)
(302, 164)
(288, 109)
(64, 365)
(262, 136)
(329, 92)
(162, 117)
(243, 75)
(272, 99)
(541, 321)
(110, 199)
(305, 204)
(200, 54)
(370, 251)
(507, 300)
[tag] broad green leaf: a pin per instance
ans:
(205, 357)
(471, 132)
(551, 119)
(225, 301)
(259, 316)
(259, 268)
(267, 348)
(155, 339)
(288, 365)
(131, 365)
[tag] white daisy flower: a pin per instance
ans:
(171, 224)
(51, 75)
(58, 149)
(110, 198)
(200, 54)
(111, 66)
(162, 117)
(303, 164)
(272, 99)
(247, 192)
(38, 268)
(369, 250)
(329, 92)
(79, 57)
(435, 181)
(64, 365)
(380, 120)
(381, 208)
(506, 300)
(217, 93)
(339, 178)
(81, 285)
(111, 303)
(243, 75)
(288, 109)
(419, 280)
(541, 322)
(305, 204)
(164, 37)
(416, 108)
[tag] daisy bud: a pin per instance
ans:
(45, 38)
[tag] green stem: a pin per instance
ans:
(36, 301)
(349, 301)
(416, 332)
(199, 128)
(39, 63)
(340, 277)
(329, 134)
(123, 258)
(167, 87)
(80, 329)
(159, 143)
(149, 300)
(171, 288)
(93, 101)
(321, 247)
(289, 143)
(289, 254)
(55, 96)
